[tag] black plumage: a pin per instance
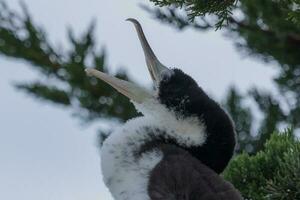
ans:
(182, 94)
(179, 176)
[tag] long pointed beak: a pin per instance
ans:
(130, 90)
(156, 69)
(133, 91)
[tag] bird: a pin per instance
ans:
(179, 145)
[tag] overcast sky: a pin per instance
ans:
(45, 154)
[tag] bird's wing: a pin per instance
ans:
(179, 176)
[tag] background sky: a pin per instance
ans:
(45, 154)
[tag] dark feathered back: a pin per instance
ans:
(179, 176)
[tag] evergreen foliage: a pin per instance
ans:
(273, 173)
(195, 8)
(222, 10)
(66, 83)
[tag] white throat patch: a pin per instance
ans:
(188, 131)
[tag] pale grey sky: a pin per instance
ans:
(44, 153)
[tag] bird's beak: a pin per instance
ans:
(131, 90)
(156, 69)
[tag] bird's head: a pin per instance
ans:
(172, 87)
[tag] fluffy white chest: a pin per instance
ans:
(126, 174)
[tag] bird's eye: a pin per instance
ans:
(166, 75)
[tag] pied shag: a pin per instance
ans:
(176, 150)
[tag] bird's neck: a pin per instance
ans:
(187, 131)
(219, 146)
(202, 128)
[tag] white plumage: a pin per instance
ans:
(127, 175)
